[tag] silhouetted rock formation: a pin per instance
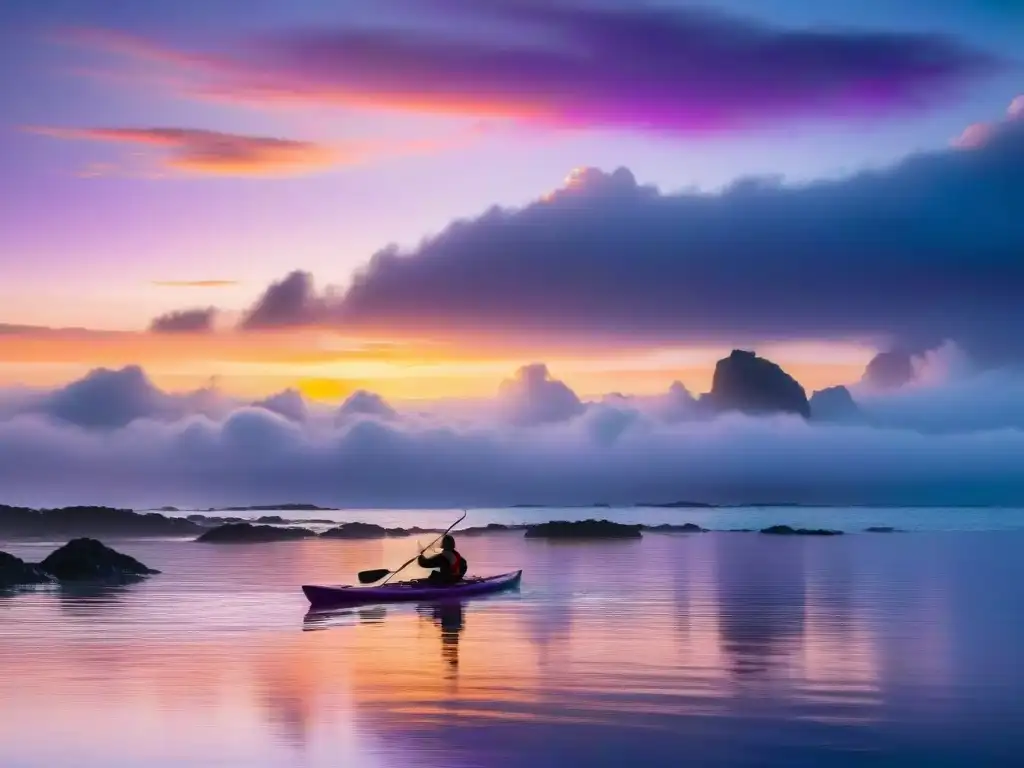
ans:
(669, 528)
(246, 533)
(835, 404)
(882, 529)
(88, 559)
(278, 520)
(208, 521)
(273, 508)
(785, 530)
(889, 370)
(584, 529)
(90, 521)
(15, 572)
(481, 530)
(367, 531)
(750, 384)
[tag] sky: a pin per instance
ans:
(418, 198)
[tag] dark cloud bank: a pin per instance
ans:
(953, 434)
(927, 250)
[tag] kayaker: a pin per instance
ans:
(451, 566)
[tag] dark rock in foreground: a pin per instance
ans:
(15, 572)
(585, 529)
(88, 559)
(750, 384)
(785, 530)
(68, 522)
(669, 528)
(366, 531)
(881, 529)
(246, 533)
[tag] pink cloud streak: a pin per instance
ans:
(682, 71)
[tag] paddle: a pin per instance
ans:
(368, 577)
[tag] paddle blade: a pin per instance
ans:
(368, 577)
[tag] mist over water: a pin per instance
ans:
(712, 649)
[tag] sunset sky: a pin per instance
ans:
(192, 189)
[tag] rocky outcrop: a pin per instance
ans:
(246, 533)
(835, 404)
(482, 530)
(881, 529)
(90, 560)
(669, 528)
(293, 507)
(750, 384)
(68, 522)
(889, 370)
(785, 530)
(271, 520)
(15, 572)
(584, 529)
(366, 531)
(208, 521)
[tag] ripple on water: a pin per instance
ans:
(725, 648)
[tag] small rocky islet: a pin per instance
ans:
(80, 560)
(73, 522)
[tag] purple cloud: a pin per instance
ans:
(288, 403)
(533, 397)
(288, 302)
(630, 66)
(363, 403)
(926, 250)
(185, 321)
(954, 435)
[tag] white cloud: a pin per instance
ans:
(952, 436)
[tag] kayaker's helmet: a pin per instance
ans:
(448, 542)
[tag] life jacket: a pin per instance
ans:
(454, 563)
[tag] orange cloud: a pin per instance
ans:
(213, 152)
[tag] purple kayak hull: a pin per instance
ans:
(401, 592)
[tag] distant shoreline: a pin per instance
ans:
(106, 522)
(628, 506)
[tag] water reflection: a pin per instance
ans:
(761, 601)
(450, 617)
(327, 618)
(716, 649)
(88, 596)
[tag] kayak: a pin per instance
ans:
(404, 591)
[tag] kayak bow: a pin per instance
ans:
(406, 591)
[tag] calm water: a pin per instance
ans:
(722, 518)
(714, 649)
